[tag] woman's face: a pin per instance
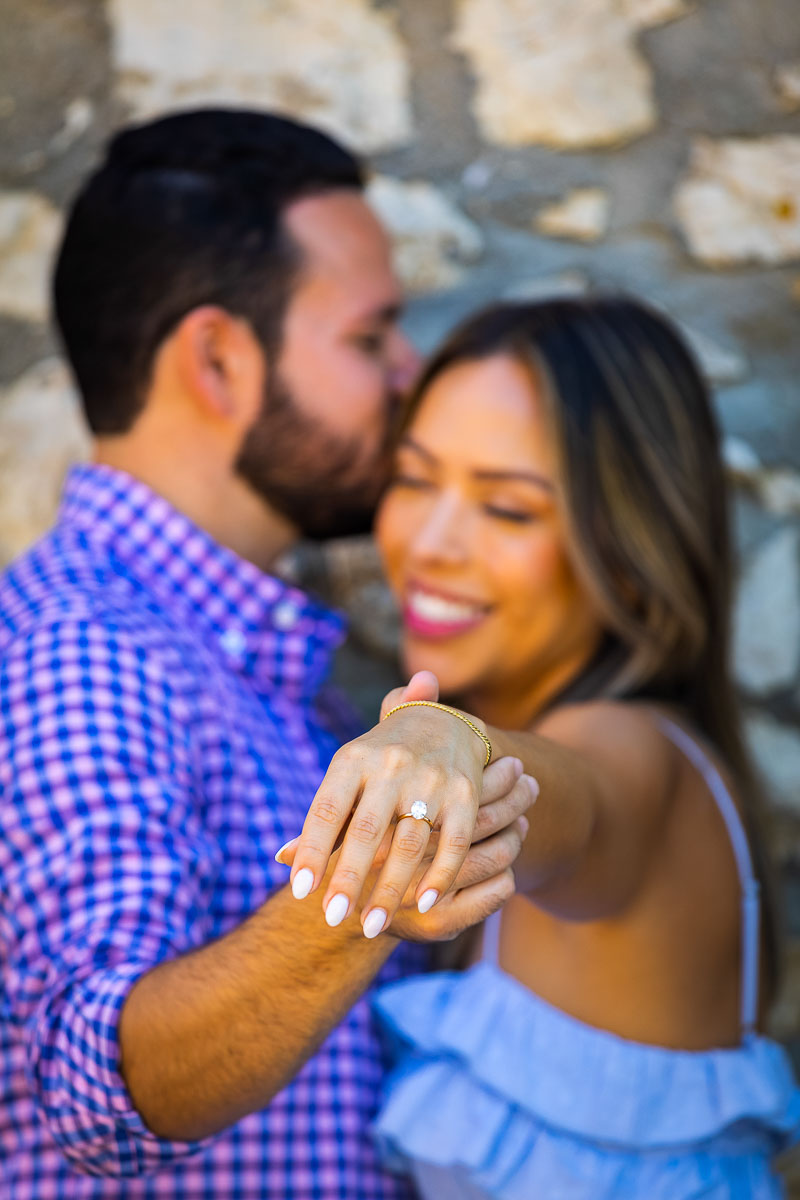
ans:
(474, 548)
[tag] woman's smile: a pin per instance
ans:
(432, 612)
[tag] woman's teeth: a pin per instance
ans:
(439, 611)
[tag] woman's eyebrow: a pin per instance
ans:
(485, 475)
(524, 476)
(407, 442)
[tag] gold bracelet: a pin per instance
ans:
(453, 712)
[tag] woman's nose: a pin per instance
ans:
(443, 536)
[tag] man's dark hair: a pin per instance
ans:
(184, 211)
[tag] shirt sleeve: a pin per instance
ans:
(105, 870)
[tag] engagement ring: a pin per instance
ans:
(418, 812)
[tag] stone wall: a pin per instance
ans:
(522, 147)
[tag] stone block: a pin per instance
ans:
(741, 461)
(647, 13)
(740, 201)
(340, 66)
(787, 85)
(581, 215)
(41, 435)
(432, 238)
(29, 230)
(767, 616)
(566, 75)
(776, 752)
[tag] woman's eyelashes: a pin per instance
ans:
(515, 515)
(399, 480)
(501, 512)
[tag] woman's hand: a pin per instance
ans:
(417, 754)
(485, 880)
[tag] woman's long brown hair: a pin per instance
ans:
(643, 497)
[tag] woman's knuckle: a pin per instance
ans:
(397, 758)
(390, 892)
(431, 779)
(327, 812)
(464, 788)
(408, 845)
(365, 827)
(346, 755)
(457, 843)
(347, 876)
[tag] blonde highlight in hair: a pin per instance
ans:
(643, 499)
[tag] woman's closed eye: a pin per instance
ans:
(409, 481)
(516, 515)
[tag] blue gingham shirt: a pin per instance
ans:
(162, 733)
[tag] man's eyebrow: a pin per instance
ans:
(485, 476)
(387, 314)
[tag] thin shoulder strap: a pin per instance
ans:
(751, 904)
(490, 951)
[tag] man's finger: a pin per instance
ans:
(498, 814)
(494, 855)
(499, 778)
(463, 909)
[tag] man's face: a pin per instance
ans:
(318, 451)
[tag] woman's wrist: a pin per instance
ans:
(473, 723)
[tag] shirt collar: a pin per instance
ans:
(263, 627)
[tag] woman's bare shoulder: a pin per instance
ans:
(608, 728)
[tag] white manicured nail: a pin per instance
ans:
(337, 908)
(302, 883)
(427, 900)
(285, 846)
(374, 922)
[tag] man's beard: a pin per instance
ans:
(318, 481)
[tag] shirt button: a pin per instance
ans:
(285, 616)
(233, 642)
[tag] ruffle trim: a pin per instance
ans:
(480, 1040)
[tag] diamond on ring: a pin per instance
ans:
(419, 810)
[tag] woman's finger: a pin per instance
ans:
(330, 809)
(387, 795)
(421, 686)
(285, 856)
(406, 852)
(455, 839)
(368, 827)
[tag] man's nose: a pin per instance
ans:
(405, 363)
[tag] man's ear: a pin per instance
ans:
(220, 364)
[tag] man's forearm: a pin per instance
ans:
(216, 1034)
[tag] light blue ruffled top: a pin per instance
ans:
(498, 1094)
